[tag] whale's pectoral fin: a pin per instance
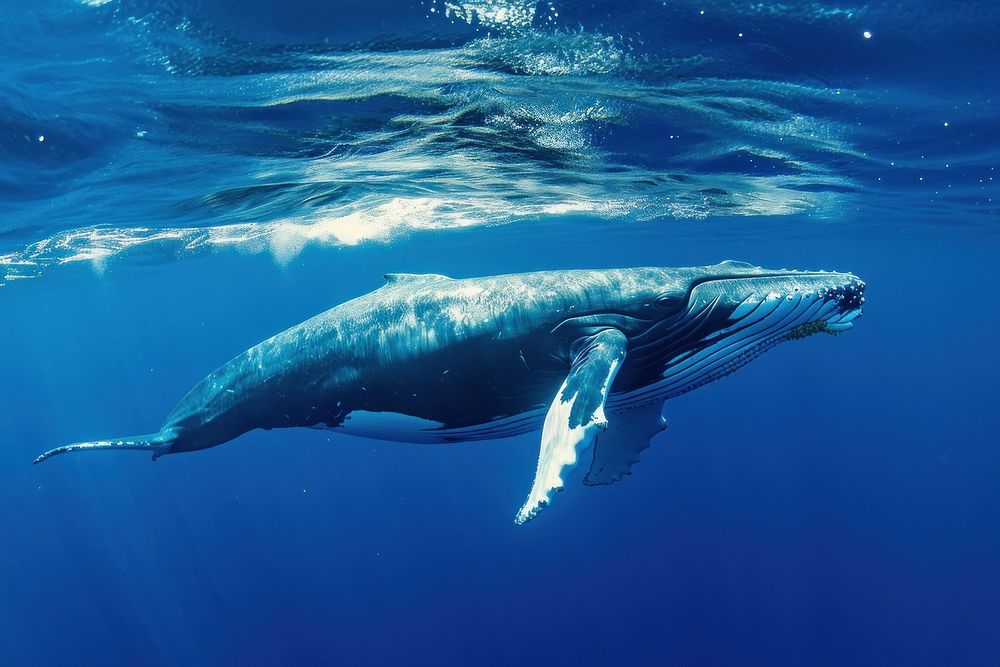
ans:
(618, 448)
(576, 415)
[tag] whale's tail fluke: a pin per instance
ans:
(158, 443)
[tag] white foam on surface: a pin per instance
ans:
(503, 14)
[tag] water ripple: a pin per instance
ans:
(175, 137)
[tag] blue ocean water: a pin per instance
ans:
(180, 180)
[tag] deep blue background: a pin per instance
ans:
(835, 502)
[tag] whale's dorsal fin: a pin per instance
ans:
(576, 415)
(618, 448)
(396, 278)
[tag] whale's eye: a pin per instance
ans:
(667, 301)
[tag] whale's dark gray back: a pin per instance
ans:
(415, 326)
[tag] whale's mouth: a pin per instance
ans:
(711, 340)
(732, 355)
(843, 322)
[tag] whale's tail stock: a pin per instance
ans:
(159, 443)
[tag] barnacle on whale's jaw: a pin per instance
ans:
(819, 326)
(810, 328)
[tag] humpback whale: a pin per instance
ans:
(587, 356)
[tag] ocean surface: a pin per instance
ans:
(180, 179)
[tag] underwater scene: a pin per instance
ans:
(499, 332)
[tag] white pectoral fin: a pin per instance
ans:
(618, 448)
(559, 452)
(576, 415)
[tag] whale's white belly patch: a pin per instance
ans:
(396, 426)
(390, 426)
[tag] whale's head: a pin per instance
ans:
(687, 327)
